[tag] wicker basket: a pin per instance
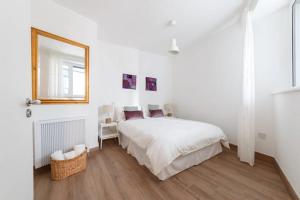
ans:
(61, 169)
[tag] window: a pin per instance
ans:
(296, 43)
(78, 81)
(73, 79)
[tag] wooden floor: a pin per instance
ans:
(113, 174)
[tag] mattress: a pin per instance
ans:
(179, 164)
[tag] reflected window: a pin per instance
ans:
(61, 70)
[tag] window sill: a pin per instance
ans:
(288, 90)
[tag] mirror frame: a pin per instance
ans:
(34, 59)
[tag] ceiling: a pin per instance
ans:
(143, 23)
(266, 7)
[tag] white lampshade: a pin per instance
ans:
(107, 109)
(174, 48)
(169, 108)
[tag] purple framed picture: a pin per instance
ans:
(129, 81)
(151, 84)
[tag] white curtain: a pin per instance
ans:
(246, 135)
(51, 75)
(55, 79)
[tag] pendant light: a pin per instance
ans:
(174, 49)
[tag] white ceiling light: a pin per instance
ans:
(173, 48)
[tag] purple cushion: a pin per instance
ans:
(156, 113)
(133, 115)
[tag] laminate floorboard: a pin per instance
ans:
(112, 174)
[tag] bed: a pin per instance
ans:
(167, 146)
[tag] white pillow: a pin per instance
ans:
(69, 155)
(131, 108)
(153, 107)
(57, 155)
(79, 149)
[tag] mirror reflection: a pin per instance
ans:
(61, 70)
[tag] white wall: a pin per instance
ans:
(116, 60)
(279, 113)
(273, 70)
(287, 131)
(107, 64)
(207, 80)
(16, 172)
(159, 67)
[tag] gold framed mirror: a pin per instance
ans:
(60, 69)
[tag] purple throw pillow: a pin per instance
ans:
(156, 113)
(133, 115)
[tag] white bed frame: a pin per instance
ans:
(178, 165)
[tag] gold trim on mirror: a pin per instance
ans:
(34, 56)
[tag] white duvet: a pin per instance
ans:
(165, 139)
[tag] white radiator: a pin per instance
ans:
(57, 134)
